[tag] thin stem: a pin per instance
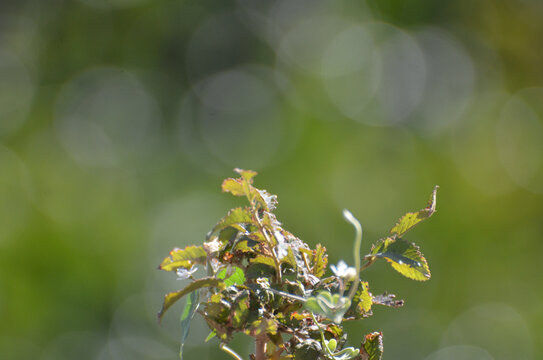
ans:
(324, 345)
(356, 250)
(370, 260)
(270, 245)
(285, 294)
(229, 351)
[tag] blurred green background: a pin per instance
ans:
(120, 118)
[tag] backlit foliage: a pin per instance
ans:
(265, 282)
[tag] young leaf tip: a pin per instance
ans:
(433, 203)
(348, 215)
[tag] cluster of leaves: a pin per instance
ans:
(267, 283)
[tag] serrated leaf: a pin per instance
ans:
(320, 261)
(259, 270)
(409, 220)
(246, 174)
(236, 219)
(262, 326)
(173, 297)
(237, 277)
(361, 303)
(240, 309)
(243, 187)
(404, 257)
(183, 258)
(233, 186)
(364, 298)
(372, 348)
(186, 317)
(263, 259)
(289, 258)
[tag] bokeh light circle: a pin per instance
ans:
(112, 4)
(16, 92)
(304, 45)
(15, 191)
(519, 138)
(492, 327)
(369, 183)
(374, 73)
(69, 345)
(449, 85)
(219, 43)
(134, 328)
(474, 147)
(460, 352)
(236, 118)
(105, 116)
(181, 222)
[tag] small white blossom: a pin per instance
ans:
(343, 270)
(183, 274)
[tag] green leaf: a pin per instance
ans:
(183, 258)
(247, 175)
(262, 326)
(289, 258)
(240, 309)
(173, 297)
(217, 309)
(309, 349)
(186, 317)
(263, 259)
(320, 261)
(233, 186)
(259, 270)
(332, 344)
(237, 277)
(372, 348)
(346, 354)
(404, 257)
(211, 335)
(243, 187)
(409, 220)
(236, 218)
(326, 304)
(364, 298)
(361, 303)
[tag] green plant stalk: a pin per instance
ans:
(356, 249)
(270, 245)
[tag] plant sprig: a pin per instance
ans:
(268, 284)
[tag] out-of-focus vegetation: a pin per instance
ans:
(119, 117)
